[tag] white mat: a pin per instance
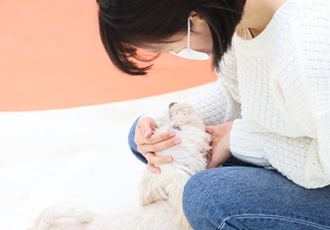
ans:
(77, 156)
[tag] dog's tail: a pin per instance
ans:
(64, 217)
(159, 215)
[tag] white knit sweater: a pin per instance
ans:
(276, 89)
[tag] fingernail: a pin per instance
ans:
(156, 171)
(146, 133)
(171, 135)
(169, 159)
(177, 141)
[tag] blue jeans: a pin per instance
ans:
(248, 197)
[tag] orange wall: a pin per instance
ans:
(51, 57)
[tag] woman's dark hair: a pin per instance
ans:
(127, 24)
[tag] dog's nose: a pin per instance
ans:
(173, 103)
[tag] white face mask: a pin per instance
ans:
(189, 53)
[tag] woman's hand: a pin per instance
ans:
(149, 143)
(220, 143)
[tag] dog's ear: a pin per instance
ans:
(150, 190)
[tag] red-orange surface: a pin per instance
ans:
(51, 57)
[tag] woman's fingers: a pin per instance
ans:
(160, 146)
(209, 129)
(144, 135)
(153, 159)
(221, 153)
(149, 143)
(159, 137)
(212, 164)
(152, 168)
(156, 142)
(146, 125)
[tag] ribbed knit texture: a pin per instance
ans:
(276, 89)
(282, 79)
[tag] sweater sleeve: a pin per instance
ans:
(220, 102)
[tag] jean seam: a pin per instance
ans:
(247, 216)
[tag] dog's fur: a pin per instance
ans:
(160, 195)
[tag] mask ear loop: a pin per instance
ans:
(188, 41)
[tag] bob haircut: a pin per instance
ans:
(127, 24)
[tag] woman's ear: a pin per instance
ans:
(193, 15)
(197, 22)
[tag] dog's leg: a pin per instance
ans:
(151, 189)
(176, 192)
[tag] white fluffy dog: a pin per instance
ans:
(160, 195)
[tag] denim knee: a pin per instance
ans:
(253, 198)
(132, 145)
(195, 199)
(213, 196)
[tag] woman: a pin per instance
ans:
(270, 106)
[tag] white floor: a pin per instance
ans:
(77, 156)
